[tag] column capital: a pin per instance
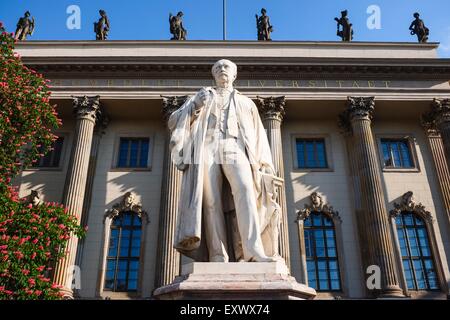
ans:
(171, 104)
(439, 114)
(271, 107)
(358, 108)
(85, 107)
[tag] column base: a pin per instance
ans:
(393, 292)
(67, 294)
(235, 281)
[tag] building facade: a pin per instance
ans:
(360, 133)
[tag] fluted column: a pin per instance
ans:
(168, 259)
(357, 118)
(272, 114)
(99, 130)
(437, 128)
(87, 111)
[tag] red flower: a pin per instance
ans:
(31, 282)
(25, 272)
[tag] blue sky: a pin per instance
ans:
(309, 20)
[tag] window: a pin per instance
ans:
(133, 153)
(417, 260)
(122, 262)
(52, 158)
(321, 253)
(311, 154)
(396, 153)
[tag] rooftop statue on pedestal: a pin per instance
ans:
(418, 28)
(263, 25)
(25, 27)
(101, 28)
(228, 209)
(347, 28)
(176, 27)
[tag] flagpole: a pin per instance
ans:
(224, 20)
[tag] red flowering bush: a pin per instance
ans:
(32, 238)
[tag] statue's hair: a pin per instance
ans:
(229, 62)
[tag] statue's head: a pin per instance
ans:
(316, 200)
(180, 14)
(416, 15)
(129, 199)
(102, 12)
(344, 13)
(27, 14)
(224, 71)
(34, 198)
(263, 11)
(408, 199)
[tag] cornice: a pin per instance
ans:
(280, 68)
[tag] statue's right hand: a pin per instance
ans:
(200, 98)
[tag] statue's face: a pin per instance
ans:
(129, 199)
(224, 71)
(315, 198)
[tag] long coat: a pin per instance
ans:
(188, 130)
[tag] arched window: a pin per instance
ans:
(417, 258)
(416, 248)
(317, 226)
(122, 262)
(321, 253)
(123, 247)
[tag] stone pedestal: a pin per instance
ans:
(235, 280)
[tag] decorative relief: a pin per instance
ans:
(439, 114)
(87, 107)
(409, 204)
(171, 104)
(272, 107)
(357, 107)
(128, 203)
(34, 198)
(317, 205)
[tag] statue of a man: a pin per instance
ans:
(25, 27)
(176, 26)
(347, 28)
(101, 28)
(263, 25)
(219, 142)
(418, 28)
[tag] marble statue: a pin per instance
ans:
(25, 27)
(219, 142)
(102, 27)
(418, 28)
(263, 25)
(176, 26)
(347, 28)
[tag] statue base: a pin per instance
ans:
(235, 281)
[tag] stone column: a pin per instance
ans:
(272, 114)
(168, 259)
(99, 130)
(437, 128)
(357, 119)
(87, 111)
